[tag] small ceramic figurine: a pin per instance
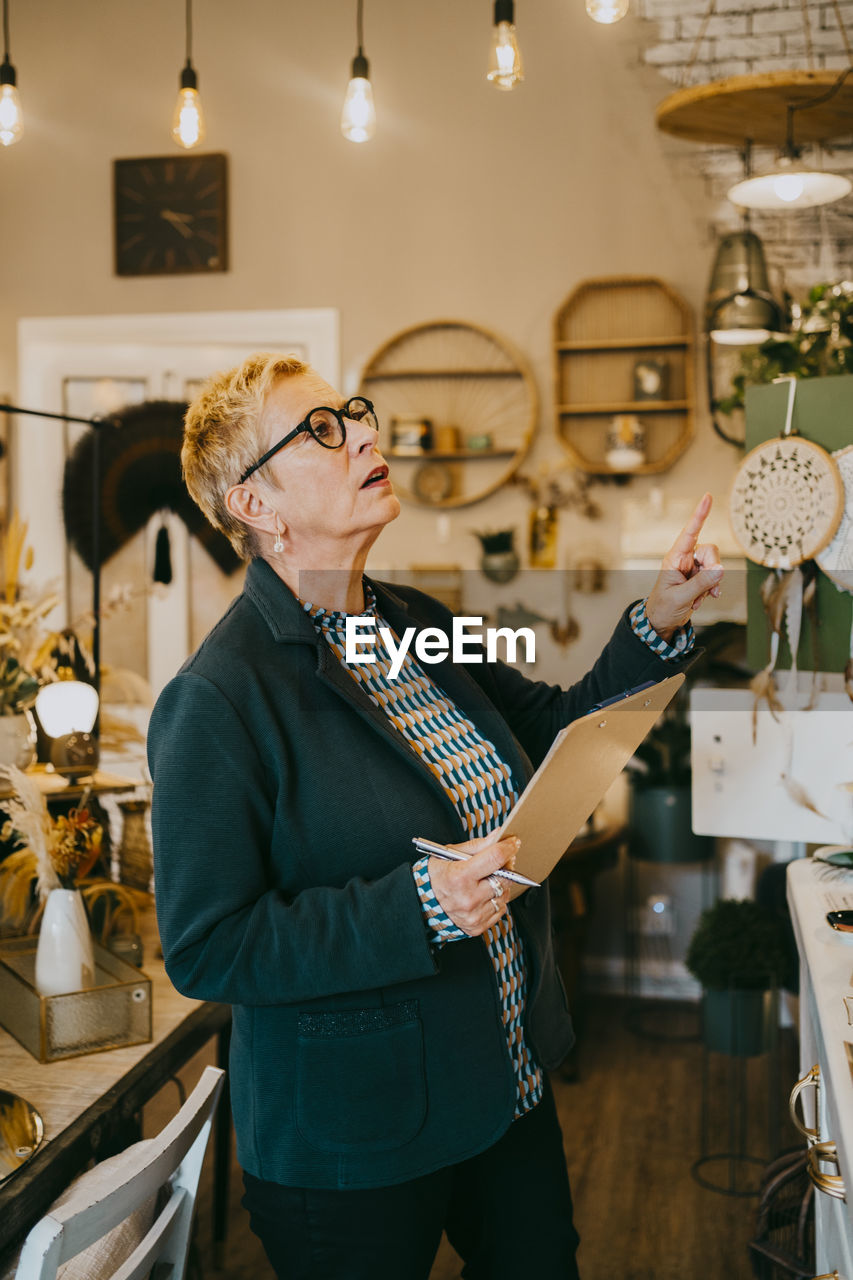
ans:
(626, 443)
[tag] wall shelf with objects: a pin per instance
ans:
(623, 349)
(448, 394)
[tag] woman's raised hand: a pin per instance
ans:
(690, 571)
(463, 889)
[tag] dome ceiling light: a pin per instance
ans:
(791, 184)
(759, 110)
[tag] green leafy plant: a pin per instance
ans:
(739, 944)
(819, 346)
(497, 542)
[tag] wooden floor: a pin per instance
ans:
(632, 1127)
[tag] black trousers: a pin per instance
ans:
(507, 1212)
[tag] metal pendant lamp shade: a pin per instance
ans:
(790, 185)
(740, 309)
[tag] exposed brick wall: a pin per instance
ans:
(744, 37)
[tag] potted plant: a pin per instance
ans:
(741, 955)
(659, 800)
(499, 561)
(47, 886)
(820, 344)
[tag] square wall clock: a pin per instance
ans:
(171, 215)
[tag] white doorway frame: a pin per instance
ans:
(49, 349)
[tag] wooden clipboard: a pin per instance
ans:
(584, 760)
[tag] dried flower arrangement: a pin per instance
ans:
(31, 656)
(545, 490)
(21, 642)
(54, 853)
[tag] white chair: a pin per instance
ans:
(111, 1223)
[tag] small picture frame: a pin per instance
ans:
(651, 379)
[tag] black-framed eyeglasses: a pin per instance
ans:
(327, 426)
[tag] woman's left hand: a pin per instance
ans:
(690, 572)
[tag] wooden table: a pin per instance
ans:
(54, 786)
(88, 1104)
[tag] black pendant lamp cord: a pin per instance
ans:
(811, 102)
(189, 79)
(6, 32)
(360, 65)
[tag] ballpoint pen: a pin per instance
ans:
(455, 855)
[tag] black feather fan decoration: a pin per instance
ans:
(140, 475)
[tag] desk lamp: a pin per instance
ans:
(67, 711)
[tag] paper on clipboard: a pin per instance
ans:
(584, 760)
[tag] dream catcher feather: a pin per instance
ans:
(836, 559)
(786, 506)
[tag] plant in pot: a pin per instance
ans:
(499, 561)
(47, 885)
(741, 955)
(660, 776)
(819, 345)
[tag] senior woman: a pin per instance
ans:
(394, 1017)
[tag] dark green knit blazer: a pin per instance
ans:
(283, 811)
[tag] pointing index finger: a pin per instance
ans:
(686, 540)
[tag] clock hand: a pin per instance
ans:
(179, 221)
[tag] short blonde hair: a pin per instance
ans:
(222, 437)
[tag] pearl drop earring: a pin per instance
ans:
(278, 545)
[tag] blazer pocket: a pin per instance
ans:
(360, 1078)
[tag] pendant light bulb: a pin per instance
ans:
(11, 117)
(607, 11)
(505, 66)
(358, 118)
(188, 120)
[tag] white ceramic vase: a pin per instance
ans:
(17, 739)
(64, 957)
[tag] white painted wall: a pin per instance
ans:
(468, 203)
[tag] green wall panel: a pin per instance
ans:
(823, 412)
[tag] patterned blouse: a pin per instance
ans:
(480, 785)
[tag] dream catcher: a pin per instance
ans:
(786, 506)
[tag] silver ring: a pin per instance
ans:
(497, 886)
(497, 904)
